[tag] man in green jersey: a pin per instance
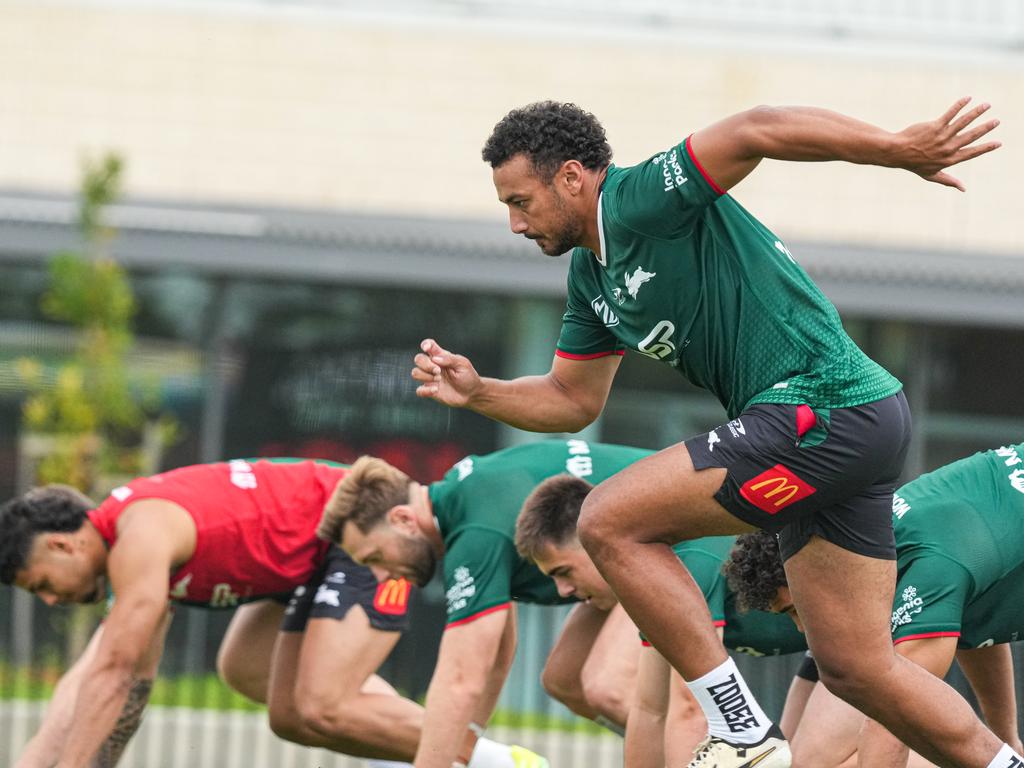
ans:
(546, 534)
(668, 264)
(960, 560)
(395, 526)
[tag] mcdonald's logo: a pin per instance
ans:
(392, 597)
(775, 489)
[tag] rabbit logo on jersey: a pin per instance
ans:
(912, 604)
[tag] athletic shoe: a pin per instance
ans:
(771, 752)
(524, 758)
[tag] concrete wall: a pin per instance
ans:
(328, 110)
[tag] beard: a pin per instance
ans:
(420, 559)
(567, 229)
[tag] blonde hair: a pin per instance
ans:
(364, 496)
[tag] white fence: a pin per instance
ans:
(177, 737)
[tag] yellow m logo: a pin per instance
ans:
(781, 486)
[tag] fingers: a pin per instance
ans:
(954, 110)
(969, 117)
(976, 133)
(946, 180)
(981, 149)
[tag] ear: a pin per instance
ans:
(571, 176)
(402, 518)
(58, 542)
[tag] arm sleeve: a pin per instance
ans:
(478, 568)
(664, 196)
(584, 334)
(930, 596)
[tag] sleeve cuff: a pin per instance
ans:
(696, 162)
(475, 616)
(589, 355)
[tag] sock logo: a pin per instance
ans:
(1014, 763)
(733, 705)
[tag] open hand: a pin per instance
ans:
(927, 149)
(445, 377)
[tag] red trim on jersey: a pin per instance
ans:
(475, 616)
(646, 643)
(696, 162)
(589, 356)
(924, 635)
(719, 622)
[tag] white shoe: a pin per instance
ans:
(771, 752)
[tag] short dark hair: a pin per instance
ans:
(50, 508)
(754, 570)
(550, 513)
(549, 133)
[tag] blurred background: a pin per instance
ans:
(225, 225)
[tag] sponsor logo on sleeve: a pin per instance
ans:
(392, 597)
(671, 170)
(604, 312)
(462, 589)
(775, 489)
(179, 590)
(912, 605)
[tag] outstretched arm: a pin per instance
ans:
(138, 567)
(465, 663)
(990, 673)
(566, 399)
(731, 148)
(45, 747)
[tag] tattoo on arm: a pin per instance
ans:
(126, 726)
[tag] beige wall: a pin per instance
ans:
(332, 112)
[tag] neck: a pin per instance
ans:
(420, 503)
(591, 239)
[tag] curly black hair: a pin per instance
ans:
(550, 513)
(56, 508)
(754, 570)
(549, 133)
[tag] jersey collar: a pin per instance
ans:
(602, 257)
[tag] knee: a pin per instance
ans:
(286, 723)
(563, 689)
(328, 716)
(597, 523)
(855, 682)
(606, 698)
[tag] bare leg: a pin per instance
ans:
(243, 660)
(324, 692)
(609, 672)
(845, 602)
(628, 524)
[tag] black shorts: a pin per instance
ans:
(338, 585)
(801, 473)
(808, 669)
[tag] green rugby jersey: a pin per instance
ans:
(688, 277)
(757, 633)
(960, 551)
(476, 505)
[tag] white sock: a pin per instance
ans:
(731, 710)
(491, 754)
(386, 764)
(1007, 758)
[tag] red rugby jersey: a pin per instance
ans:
(255, 525)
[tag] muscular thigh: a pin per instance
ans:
(845, 603)
(245, 652)
(663, 498)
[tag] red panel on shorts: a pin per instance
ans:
(392, 598)
(775, 489)
(805, 419)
